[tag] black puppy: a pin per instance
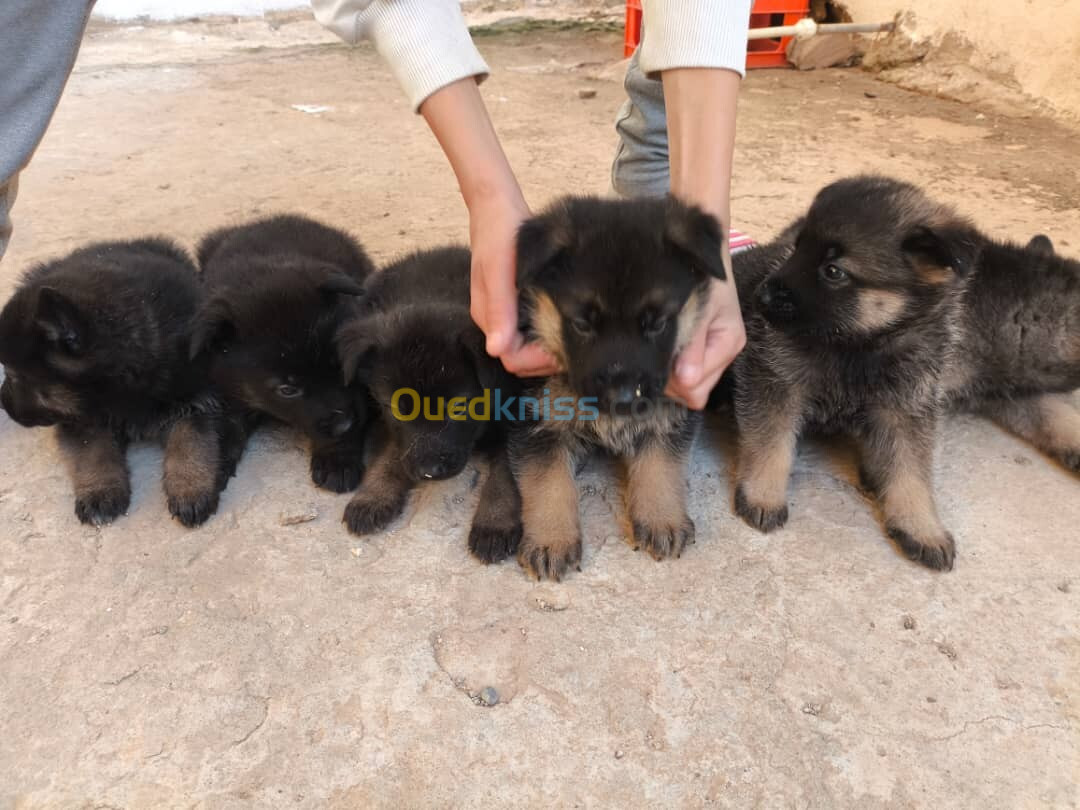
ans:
(97, 344)
(418, 352)
(874, 314)
(613, 289)
(277, 291)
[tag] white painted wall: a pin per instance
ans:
(174, 9)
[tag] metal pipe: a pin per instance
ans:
(808, 28)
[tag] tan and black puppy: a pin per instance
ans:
(873, 315)
(96, 343)
(613, 289)
(277, 289)
(437, 393)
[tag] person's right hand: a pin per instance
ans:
(493, 226)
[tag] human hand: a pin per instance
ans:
(719, 337)
(493, 225)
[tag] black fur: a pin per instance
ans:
(97, 343)
(610, 288)
(415, 333)
(872, 316)
(277, 291)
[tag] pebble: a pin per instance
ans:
(909, 622)
(586, 94)
(488, 696)
(619, 754)
(305, 514)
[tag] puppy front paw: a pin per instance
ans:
(761, 517)
(104, 505)
(934, 552)
(663, 540)
(549, 560)
(370, 512)
(193, 509)
(337, 472)
(493, 542)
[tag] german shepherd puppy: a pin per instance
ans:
(96, 343)
(277, 291)
(423, 361)
(613, 289)
(876, 313)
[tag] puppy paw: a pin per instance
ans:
(549, 560)
(937, 553)
(194, 509)
(336, 472)
(103, 506)
(662, 541)
(368, 513)
(762, 518)
(492, 543)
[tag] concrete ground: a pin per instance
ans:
(261, 662)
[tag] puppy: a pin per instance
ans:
(873, 315)
(438, 392)
(277, 291)
(97, 344)
(613, 289)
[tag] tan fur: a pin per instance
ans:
(908, 502)
(192, 461)
(655, 490)
(879, 309)
(547, 323)
(934, 274)
(97, 462)
(689, 318)
(765, 467)
(549, 501)
(1050, 422)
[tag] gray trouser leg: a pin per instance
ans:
(39, 40)
(640, 168)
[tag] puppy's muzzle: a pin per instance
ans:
(337, 424)
(621, 390)
(440, 466)
(775, 300)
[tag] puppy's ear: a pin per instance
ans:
(60, 320)
(356, 346)
(1041, 244)
(696, 236)
(540, 243)
(941, 253)
(213, 326)
(487, 367)
(338, 283)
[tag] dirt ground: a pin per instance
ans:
(260, 662)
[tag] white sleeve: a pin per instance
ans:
(694, 33)
(425, 42)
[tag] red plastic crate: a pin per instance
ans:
(760, 53)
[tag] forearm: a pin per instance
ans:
(459, 119)
(701, 104)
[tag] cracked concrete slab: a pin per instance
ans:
(269, 659)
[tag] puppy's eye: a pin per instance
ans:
(582, 326)
(653, 325)
(833, 274)
(287, 391)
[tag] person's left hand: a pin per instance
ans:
(714, 345)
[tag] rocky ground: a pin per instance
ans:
(261, 661)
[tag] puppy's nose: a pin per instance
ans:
(439, 467)
(340, 422)
(775, 297)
